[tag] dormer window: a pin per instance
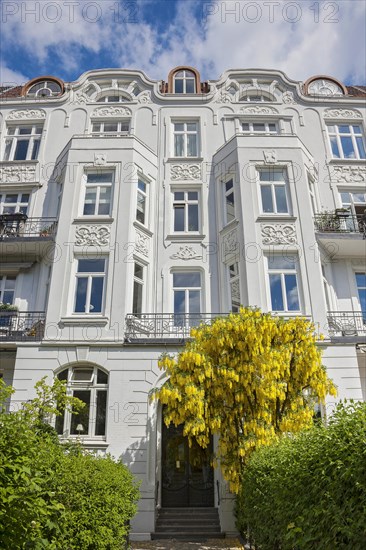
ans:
(184, 82)
(43, 89)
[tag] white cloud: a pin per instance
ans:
(8, 77)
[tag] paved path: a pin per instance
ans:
(214, 544)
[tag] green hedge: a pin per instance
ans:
(309, 491)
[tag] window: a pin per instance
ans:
(361, 288)
(347, 141)
(22, 142)
(185, 139)
(141, 202)
(90, 385)
(47, 88)
(356, 204)
(12, 203)
(121, 127)
(90, 279)
(138, 287)
(256, 97)
(7, 289)
(313, 198)
(273, 191)
(187, 298)
(283, 284)
(185, 208)
(234, 281)
(259, 127)
(184, 82)
(229, 213)
(116, 98)
(98, 192)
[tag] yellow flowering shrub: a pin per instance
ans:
(248, 377)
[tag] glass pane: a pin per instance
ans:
(139, 271)
(272, 127)
(292, 295)
(230, 208)
(179, 301)
(10, 199)
(140, 210)
(25, 197)
(53, 86)
(343, 129)
(11, 131)
(96, 128)
(361, 280)
(10, 283)
(245, 127)
(35, 150)
(96, 295)
(362, 296)
(178, 86)
(101, 177)
(90, 201)
(358, 197)
(82, 375)
(271, 175)
(179, 196)
(110, 127)
(281, 200)
(194, 301)
(137, 298)
(361, 147)
(7, 149)
(357, 129)
(102, 377)
(190, 86)
(186, 280)
(104, 200)
(192, 145)
(334, 145)
(92, 265)
(347, 146)
(81, 420)
(276, 292)
(141, 185)
(25, 131)
(192, 126)
(59, 426)
(280, 262)
(101, 412)
(179, 145)
(345, 198)
(267, 202)
(112, 99)
(179, 127)
(8, 297)
(179, 218)
(63, 374)
(81, 288)
(229, 184)
(39, 130)
(258, 127)
(193, 217)
(192, 195)
(21, 149)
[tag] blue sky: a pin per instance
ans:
(65, 38)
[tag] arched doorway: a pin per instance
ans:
(187, 475)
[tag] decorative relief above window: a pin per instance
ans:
(259, 110)
(185, 172)
(27, 114)
(18, 173)
(230, 244)
(342, 113)
(186, 253)
(288, 97)
(142, 243)
(92, 235)
(278, 233)
(111, 111)
(347, 174)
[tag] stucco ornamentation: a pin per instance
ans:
(235, 290)
(288, 97)
(348, 174)
(100, 159)
(224, 97)
(144, 97)
(142, 243)
(230, 243)
(258, 110)
(26, 114)
(17, 173)
(278, 233)
(270, 157)
(342, 113)
(185, 172)
(111, 111)
(186, 253)
(92, 235)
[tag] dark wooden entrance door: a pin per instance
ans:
(187, 476)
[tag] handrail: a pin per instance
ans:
(218, 492)
(346, 323)
(19, 226)
(329, 222)
(21, 325)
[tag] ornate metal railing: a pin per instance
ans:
(18, 326)
(347, 323)
(160, 326)
(20, 226)
(337, 223)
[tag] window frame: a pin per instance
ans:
(93, 387)
(283, 272)
(187, 314)
(350, 134)
(119, 130)
(144, 193)
(4, 289)
(90, 275)
(185, 133)
(273, 184)
(184, 78)
(225, 194)
(266, 131)
(362, 288)
(140, 283)
(233, 276)
(186, 203)
(33, 138)
(19, 205)
(98, 185)
(105, 98)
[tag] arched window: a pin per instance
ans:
(257, 97)
(90, 385)
(45, 88)
(184, 82)
(113, 98)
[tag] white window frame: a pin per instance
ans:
(110, 98)
(18, 205)
(188, 315)
(12, 139)
(360, 272)
(226, 193)
(256, 97)
(123, 127)
(186, 203)
(93, 387)
(90, 275)
(3, 288)
(187, 76)
(142, 194)
(185, 133)
(252, 130)
(284, 183)
(98, 186)
(336, 135)
(140, 281)
(282, 272)
(233, 273)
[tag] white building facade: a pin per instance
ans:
(132, 209)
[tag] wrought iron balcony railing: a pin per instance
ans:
(347, 323)
(18, 326)
(339, 223)
(164, 326)
(20, 226)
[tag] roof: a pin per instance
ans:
(358, 91)
(6, 92)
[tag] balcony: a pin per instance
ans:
(341, 233)
(23, 236)
(153, 328)
(348, 325)
(22, 326)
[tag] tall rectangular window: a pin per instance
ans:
(98, 193)
(138, 288)
(90, 280)
(186, 139)
(22, 142)
(7, 289)
(186, 211)
(273, 188)
(259, 127)
(141, 202)
(12, 203)
(347, 141)
(361, 288)
(229, 198)
(187, 298)
(234, 282)
(283, 283)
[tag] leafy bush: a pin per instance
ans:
(55, 496)
(309, 491)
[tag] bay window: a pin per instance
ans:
(273, 190)
(283, 283)
(90, 282)
(98, 193)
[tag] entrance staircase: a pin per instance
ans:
(194, 524)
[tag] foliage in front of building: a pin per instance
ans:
(309, 491)
(56, 496)
(248, 377)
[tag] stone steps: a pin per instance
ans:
(194, 524)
